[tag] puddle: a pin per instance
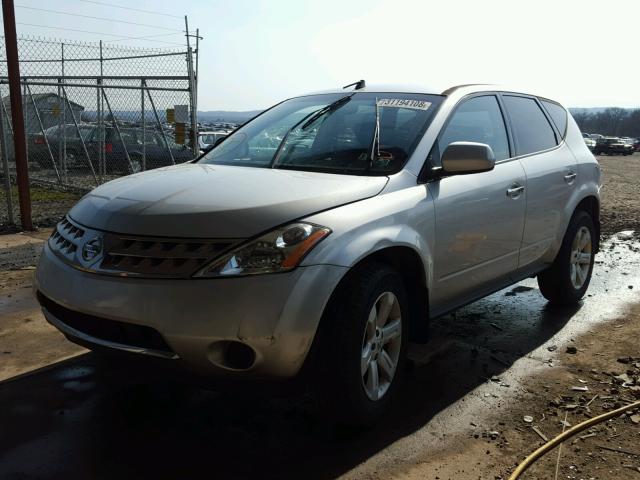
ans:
(73, 373)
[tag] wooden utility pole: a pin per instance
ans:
(17, 116)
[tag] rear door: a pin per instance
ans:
(551, 169)
(479, 217)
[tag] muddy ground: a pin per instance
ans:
(65, 413)
(621, 193)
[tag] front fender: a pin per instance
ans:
(401, 218)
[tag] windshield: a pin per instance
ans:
(332, 133)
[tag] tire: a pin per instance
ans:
(350, 334)
(567, 279)
(136, 164)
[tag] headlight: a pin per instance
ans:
(280, 250)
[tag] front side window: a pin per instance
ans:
(480, 120)
(558, 115)
(532, 131)
(334, 133)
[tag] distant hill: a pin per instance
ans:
(617, 122)
(582, 111)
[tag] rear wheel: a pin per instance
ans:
(362, 351)
(567, 279)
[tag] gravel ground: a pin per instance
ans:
(620, 194)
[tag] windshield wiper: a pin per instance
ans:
(308, 120)
(332, 107)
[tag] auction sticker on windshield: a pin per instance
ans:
(403, 103)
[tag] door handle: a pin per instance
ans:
(515, 190)
(570, 177)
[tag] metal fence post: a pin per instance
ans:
(155, 114)
(144, 127)
(84, 146)
(192, 98)
(5, 164)
(19, 137)
(101, 133)
(115, 124)
(25, 119)
(192, 91)
(44, 134)
(61, 128)
(100, 143)
(64, 117)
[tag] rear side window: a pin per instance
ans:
(532, 131)
(558, 115)
(478, 119)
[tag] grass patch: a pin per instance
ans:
(42, 194)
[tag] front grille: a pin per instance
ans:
(105, 329)
(66, 239)
(158, 257)
(123, 255)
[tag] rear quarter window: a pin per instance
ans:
(558, 114)
(532, 131)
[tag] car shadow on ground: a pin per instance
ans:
(86, 419)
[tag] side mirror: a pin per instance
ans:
(463, 158)
(218, 141)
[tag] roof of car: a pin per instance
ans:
(433, 90)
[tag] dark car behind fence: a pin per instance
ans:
(94, 112)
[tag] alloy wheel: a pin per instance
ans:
(381, 345)
(580, 260)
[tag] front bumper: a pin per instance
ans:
(275, 315)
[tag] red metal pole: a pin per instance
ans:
(17, 116)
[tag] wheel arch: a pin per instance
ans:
(408, 262)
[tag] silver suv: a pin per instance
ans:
(325, 234)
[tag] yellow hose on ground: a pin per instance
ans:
(551, 444)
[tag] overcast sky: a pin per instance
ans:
(256, 52)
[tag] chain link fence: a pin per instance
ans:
(93, 112)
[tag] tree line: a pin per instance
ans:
(614, 122)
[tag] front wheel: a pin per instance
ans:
(363, 349)
(567, 279)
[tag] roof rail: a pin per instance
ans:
(450, 90)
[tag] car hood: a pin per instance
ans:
(216, 201)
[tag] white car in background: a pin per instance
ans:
(207, 140)
(589, 142)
